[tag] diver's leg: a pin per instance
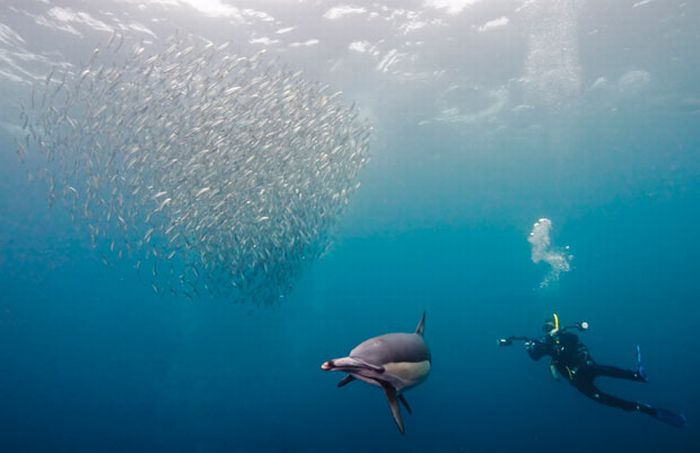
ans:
(584, 383)
(591, 391)
(619, 373)
(613, 401)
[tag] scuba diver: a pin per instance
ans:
(570, 358)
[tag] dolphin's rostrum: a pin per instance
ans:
(395, 362)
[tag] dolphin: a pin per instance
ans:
(395, 362)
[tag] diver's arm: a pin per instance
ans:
(537, 349)
(509, 341)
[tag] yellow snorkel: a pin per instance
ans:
(556, 324)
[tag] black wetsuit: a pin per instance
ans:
(572, 360)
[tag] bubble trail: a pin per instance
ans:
(543, 250)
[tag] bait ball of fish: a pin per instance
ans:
(211, 172)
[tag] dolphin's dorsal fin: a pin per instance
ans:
(421, 325)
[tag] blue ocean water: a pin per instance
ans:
(92, 360)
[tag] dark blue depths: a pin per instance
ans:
(92, 360)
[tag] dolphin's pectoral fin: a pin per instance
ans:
(405, 403)
(346, 380)
(391, 397)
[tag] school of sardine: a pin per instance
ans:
(209, 171)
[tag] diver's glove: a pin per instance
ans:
(529, 345)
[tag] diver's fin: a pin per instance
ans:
(420, 328)
(672, 418)
(390, 392)
(639, 356)
(405, 403)
(346, 380)
(641, 371)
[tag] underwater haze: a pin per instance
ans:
(189, 227)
